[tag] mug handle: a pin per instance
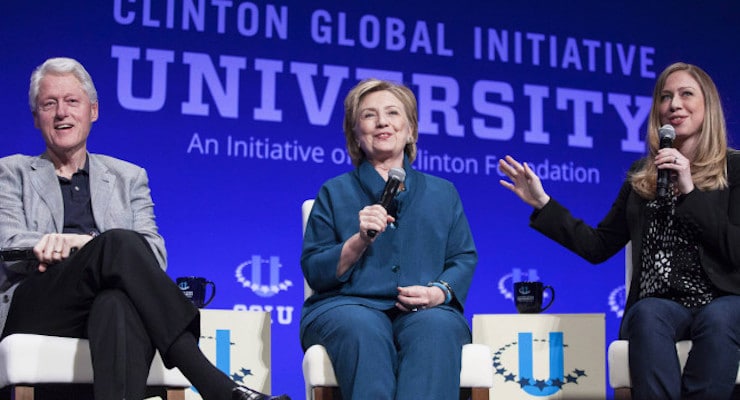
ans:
(552, 297)
(213, 292)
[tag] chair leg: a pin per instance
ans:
(175, 394)
(332, 393)
(480, 393)
(22, 393)
(27, 393)
(326, 393)
(626, 393)
(622, 394)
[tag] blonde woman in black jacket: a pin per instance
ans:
(685, 245)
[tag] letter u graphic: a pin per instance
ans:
(526, 370)
(257, 274)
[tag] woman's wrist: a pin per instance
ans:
(445, 288)
(542, 202)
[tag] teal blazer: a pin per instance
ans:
(431, 240)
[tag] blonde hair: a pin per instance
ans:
(352, 111)
(709, 164)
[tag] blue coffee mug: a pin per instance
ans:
(194, 288)
(528, 297)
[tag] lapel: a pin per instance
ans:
(372, 183)
(43, 177)
(102, 183)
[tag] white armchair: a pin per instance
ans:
(476, 374)
(27, 360)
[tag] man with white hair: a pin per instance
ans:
(97, 269)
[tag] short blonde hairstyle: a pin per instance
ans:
(352, 113)
(709, 164)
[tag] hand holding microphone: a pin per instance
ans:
(396, 176)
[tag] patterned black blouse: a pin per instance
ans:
(671, 266)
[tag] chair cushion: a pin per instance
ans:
(477, 367)
(618, 359)
(317, 368)
(29, 359)
(476, 371)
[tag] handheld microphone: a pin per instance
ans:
(666, 133)
(396, 176)
(17, 254)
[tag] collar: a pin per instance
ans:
(372, 183)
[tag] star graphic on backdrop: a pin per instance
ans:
(508, 376)
(239, 376)
(541, 384)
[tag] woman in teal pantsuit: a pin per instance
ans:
(388, 308)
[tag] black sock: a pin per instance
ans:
(212, 384)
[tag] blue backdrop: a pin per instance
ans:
(235, 110)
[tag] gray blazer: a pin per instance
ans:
(31, 205)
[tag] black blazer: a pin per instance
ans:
(715, 215)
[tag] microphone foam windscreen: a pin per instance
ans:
(397, 173)
(667, 132)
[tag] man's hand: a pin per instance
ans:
(55, 247)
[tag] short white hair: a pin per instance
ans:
(61, 65)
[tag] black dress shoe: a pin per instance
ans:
(245, 393)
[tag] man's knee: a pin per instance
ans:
(125, 241)
(122, 236)
(111, 300)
